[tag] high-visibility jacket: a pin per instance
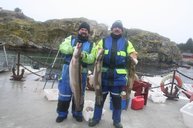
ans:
(66, 48)
(115, 60)
(88, 50)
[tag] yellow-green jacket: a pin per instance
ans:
(88, 50)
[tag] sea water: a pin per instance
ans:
(49, 58)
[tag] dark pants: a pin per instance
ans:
(115, 92)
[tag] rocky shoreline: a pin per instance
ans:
(21, 33)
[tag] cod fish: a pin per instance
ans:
(75, 77)
(131, 76)
(97, 74)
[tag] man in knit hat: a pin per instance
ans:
(87, 57)
(83, 32)
(117, 24)
(115, 72)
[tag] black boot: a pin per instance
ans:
(59, 119)
(78, 118)
(118, 125)
(92, 122)
(62, 107)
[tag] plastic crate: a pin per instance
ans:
(187, 113)
(51, 94)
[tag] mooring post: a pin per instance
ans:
(18, 63)
(17, 76)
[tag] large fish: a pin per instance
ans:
(75, 77)
(131, 76)
(97, 74)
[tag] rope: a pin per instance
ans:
(184, 75)
(155, 87)
(31, 71)
(144, 74)
(153, 83)
(165, 85)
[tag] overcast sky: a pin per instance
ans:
(169, 18)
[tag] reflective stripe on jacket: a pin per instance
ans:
(115, 60)
(88, 50)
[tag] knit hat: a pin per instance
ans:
(117, 24)
(84, 25)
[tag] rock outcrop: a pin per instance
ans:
(19, 31)
(153, 48)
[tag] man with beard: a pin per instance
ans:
(114, 72)
(87, 57)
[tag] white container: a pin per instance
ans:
(157, 97)
(88, 109)
(187, 113)
(51, 94)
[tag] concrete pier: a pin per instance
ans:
(23, 105)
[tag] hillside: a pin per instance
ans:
(18, 31)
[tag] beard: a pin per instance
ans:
(82, 37)
(115, 36)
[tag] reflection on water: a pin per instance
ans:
(29, 58)
(151, 70)
(48, 57)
